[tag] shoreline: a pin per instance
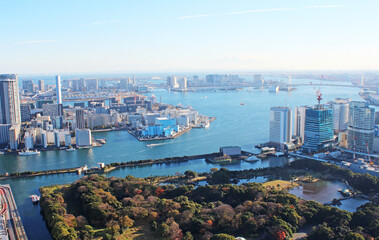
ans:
(108, 167)
(210, 119)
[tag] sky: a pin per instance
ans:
(44, 36)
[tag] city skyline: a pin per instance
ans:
(125, 36)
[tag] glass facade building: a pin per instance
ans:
(318, 128)
(361, 127)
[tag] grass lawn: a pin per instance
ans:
(280, 183)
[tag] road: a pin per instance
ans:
(16, 230)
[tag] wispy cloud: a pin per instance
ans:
(35, 42)
(323, 6)
(104, 22)
(258, 11)
(198, 16)
(261, 10)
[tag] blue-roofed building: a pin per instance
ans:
(318, 128)
(166, 122)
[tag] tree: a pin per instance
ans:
(187, 236)
(222, 236)
(354, 236)
(190, 174)
(321, 232)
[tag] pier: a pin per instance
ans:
(14, 227)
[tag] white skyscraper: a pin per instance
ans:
(9, 99)
(280, 125)
(299, 122)
(58, 88)
(340, 114)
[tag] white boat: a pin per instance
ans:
(252, 158)
(35, 199)
(27, 152)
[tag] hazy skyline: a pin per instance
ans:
(247, 35)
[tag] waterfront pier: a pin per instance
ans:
(11, 221)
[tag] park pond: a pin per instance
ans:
(325, 191)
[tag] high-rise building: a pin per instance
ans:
(340, 114)
(14, 136)
(67, 139)
(318, 128)
(53, 110)
(258, 79)
(79, 114)
(28, 86)
(4, 133)
(361, 125)
(92, 84)
(9, 100)
(77, 85)
(299, 122)
(58, 89)
(280, 125)
(83, 137)
(41, 85)
(172, 82)
(25, 112)
(182, 83)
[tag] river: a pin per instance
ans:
(242, 125)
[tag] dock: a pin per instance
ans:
(9, 212)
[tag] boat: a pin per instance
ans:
(252, 158)
(27, 152)
(70, 149)
(35, 199)
(83, 147)
(102, 141)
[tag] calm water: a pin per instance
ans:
(324, 192)
(244, 126)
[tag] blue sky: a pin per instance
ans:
(199, 35)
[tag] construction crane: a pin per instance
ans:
(368, 154)
(318, 93)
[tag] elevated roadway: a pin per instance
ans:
(10, 215)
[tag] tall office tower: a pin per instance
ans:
(77, 85)
(25, 112)
(9, 100)
(80, 123)
(299, 122)
(124, 83)
(318, 128)
(92, 84)
(340, 114)
(258, 78)
(280, 125)
(58, 88)
(28, 86)
(182, 83)
(361, 125)
(41, 85)
(172, 82)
